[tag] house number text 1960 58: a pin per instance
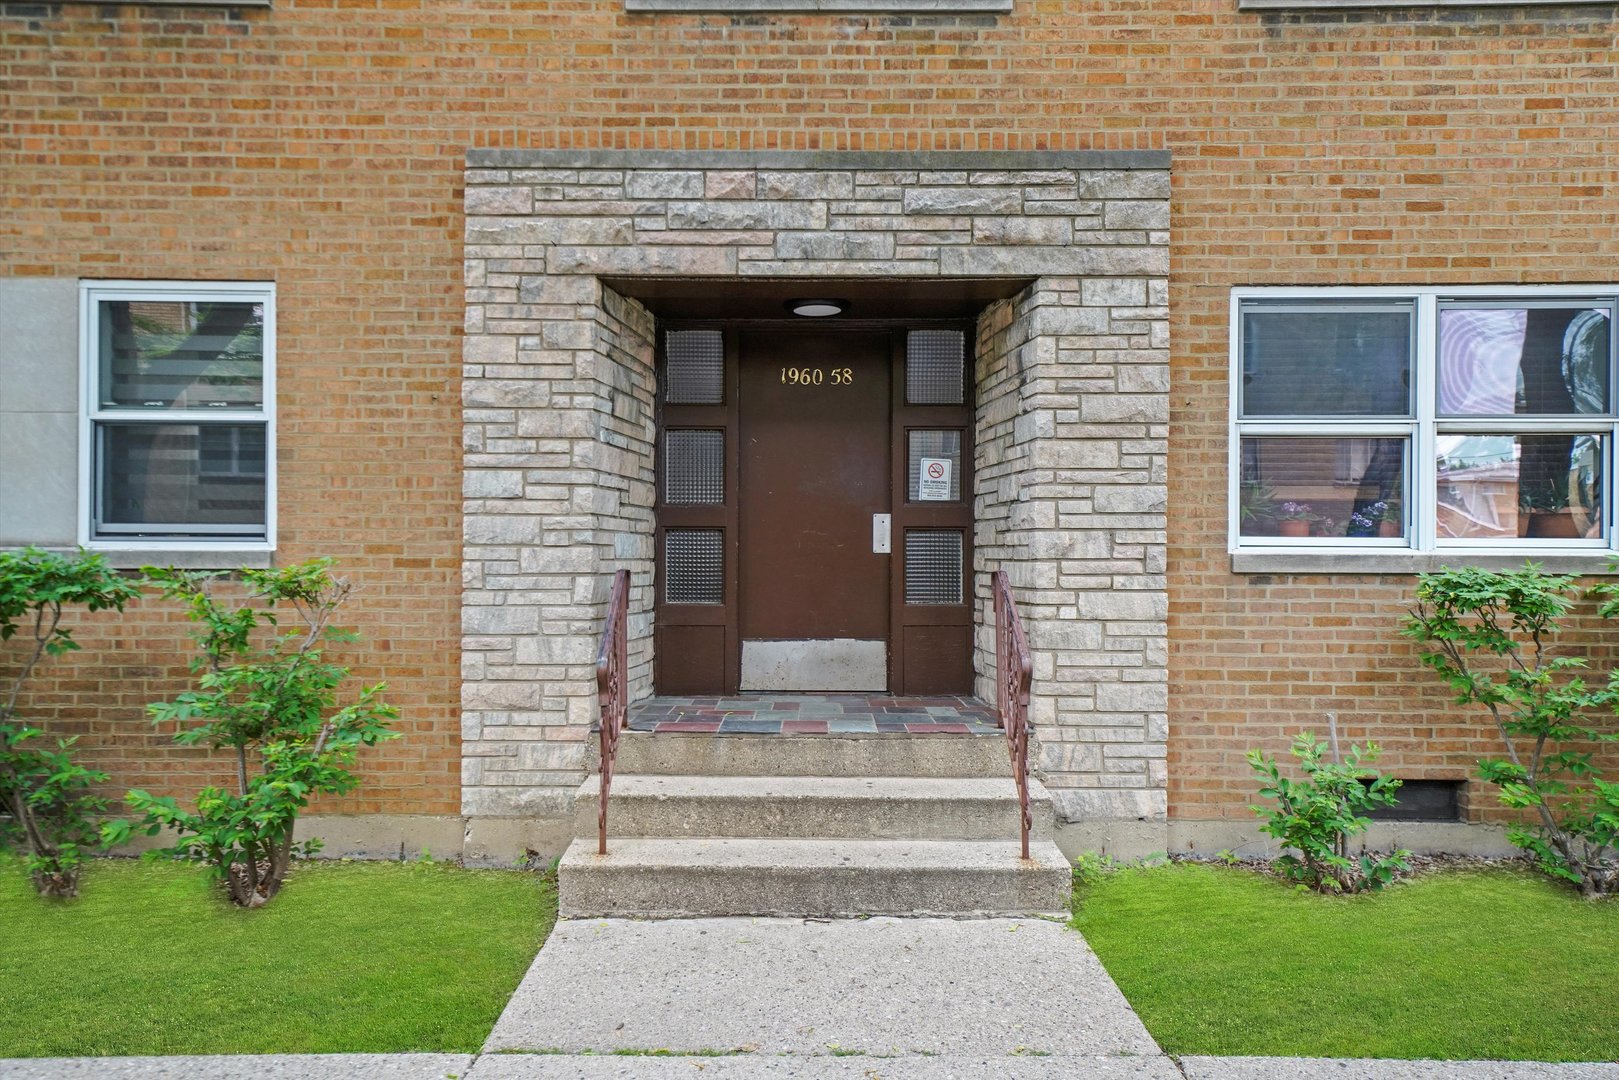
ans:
(807, 376)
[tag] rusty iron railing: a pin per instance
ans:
(1014, 670)
(612, 690)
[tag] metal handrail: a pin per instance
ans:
(612, 690)
(1014, 671)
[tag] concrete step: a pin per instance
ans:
(811, 807)
(662, 878)
(694, 754)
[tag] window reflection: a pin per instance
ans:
(1542, 361)
(1533, 486)
(1333, 488)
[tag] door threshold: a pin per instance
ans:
(814, 714)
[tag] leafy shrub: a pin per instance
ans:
(1488, 634)
(1316, 816)
(46, 795)
(274, 706)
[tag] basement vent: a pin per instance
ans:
(1423, 800)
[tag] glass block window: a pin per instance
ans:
(935, 367)
(933, 566)
(694, 367)
(942, 445)
(179, 401)
(1437, 419)
(694, 467)
(694, 566)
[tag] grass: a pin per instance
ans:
(361, 957)
(1458, 965)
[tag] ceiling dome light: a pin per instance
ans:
(817, 308)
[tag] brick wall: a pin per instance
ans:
(321, 145)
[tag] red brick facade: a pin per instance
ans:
(320, 145)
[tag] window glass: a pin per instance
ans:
(1326, 360)
(935, 367)
(934, 446)
(1336, 488)
(181, 354)
(1539, 487)
(182, 478)
(694, 367)
(1498, 360)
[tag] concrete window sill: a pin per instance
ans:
(187, 3)
(852, 7)
(224, 559)
(1410, 562)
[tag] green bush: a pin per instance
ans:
(1316, 817)
(50, 811)
(1489, 635)
(273, 704)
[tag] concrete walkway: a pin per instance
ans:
(762, 999)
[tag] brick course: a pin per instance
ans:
(320, 144)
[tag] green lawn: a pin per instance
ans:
(1465, 964)
(151, 959)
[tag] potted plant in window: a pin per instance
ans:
(1256, 508)
(1543, 510)
(1295, 518)
(1381, 518)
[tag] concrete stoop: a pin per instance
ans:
(813, 826)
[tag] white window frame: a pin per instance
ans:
(1423, 427)
(91, 295)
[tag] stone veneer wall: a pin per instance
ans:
(1073, 404)
(1072, 449)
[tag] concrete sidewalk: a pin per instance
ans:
(752, 1067)
(762, 999)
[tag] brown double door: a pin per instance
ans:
(811, 513)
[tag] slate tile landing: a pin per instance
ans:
(815, 714)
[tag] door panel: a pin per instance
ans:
(815, 469)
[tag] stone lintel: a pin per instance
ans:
(887, 160)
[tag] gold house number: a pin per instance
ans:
(805, 376)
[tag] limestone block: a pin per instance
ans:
(1129, 408)
(957, 200)
(488, 349)
(1114, 292)
(805, 184)
(492, 483)
(501, 619)
(1146, 214)
(1022, 230)
(499, 200)
(1131, 499)
(500, 529)
(1123, 184)
(834, 245)
(658, 184)
(731, 184)
(1124, 697)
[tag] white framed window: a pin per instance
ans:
(1476, 419)
(177, 432)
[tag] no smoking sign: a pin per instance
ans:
(934, 483)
